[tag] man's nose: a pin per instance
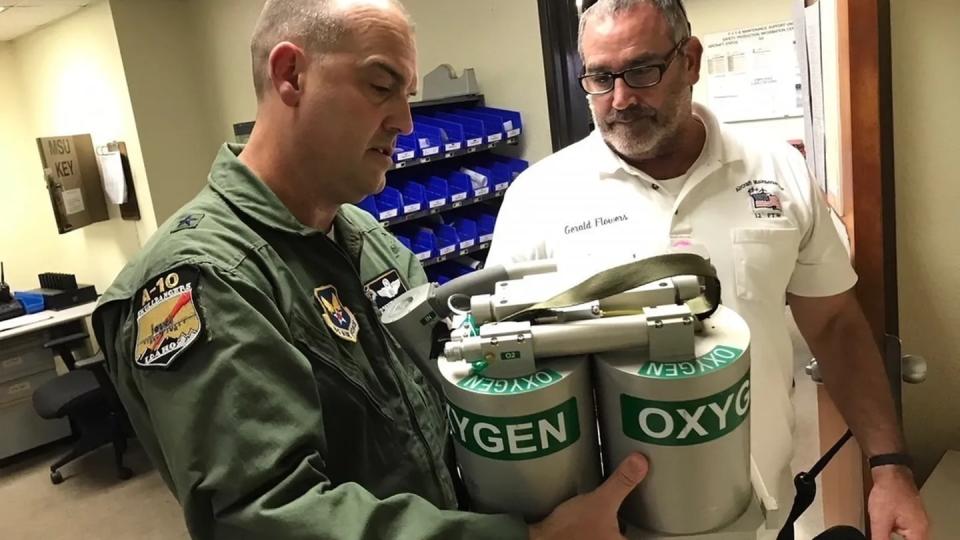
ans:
(624, 97)
(400, 120)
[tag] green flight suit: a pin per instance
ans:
(258, 378)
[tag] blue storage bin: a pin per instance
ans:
(453, 135)
(405, 149)
(437, 275)
(389, 203)
(438, 191)
(369, 204)
(414, 197)
(429, 139)
(447, 240)
(492, 125)
(467, 231)
(32, 302)
(517, 166)
(459, 186)
(485, 224)
(404, 240)
(501, 177)
(512, 121)
(480, 179)
(474, 132)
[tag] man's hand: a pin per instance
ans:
(894, 505)
(594, 515)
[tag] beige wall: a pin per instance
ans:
(926, 76)
(168, 93)
(65, 79)
(713, 16)
(501, 40)
(223, 29)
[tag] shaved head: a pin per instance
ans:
(319, 26)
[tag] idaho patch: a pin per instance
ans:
(384, 288)
(337, 316)
(168, 320)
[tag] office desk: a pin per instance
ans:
(25, 364)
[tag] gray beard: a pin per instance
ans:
(645, 138)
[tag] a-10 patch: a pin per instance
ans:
(168, 320)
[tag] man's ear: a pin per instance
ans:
(693, 55)
(288, 63)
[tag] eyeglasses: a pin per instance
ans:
(646, 76)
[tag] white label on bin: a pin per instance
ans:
(423, 255)
(437, 203)
(501, 187)
(423, 142)
(479, 192)
(452, 146)
(508, 125)
(402, 156)
(388, 214)
(432, 151)
(474, 142)
(513, 133)
(495, 138)
(447, 250)
(458, 197)
(411, 208)
(467, 244)
(12, 362)
(484, 238)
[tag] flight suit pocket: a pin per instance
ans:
(338, 373)
(764, 259)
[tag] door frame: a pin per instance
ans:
(869, 204)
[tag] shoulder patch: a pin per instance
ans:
(187, 221)
(338, 317)
(168, 321)
(384, 288)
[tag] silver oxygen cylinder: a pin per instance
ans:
(691, 420)
(527, 443)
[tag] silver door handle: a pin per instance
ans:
(913, 369)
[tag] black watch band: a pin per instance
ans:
(880, 460)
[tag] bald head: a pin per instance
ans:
(319, 26)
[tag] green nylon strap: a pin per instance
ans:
(629, 276)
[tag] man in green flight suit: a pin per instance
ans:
(243, 339)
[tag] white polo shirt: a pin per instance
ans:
(750, 204)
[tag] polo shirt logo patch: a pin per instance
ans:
(338, 317)
(168, 321)
(382, 289)
(764, 195)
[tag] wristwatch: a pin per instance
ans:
(880, 460)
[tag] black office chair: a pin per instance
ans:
(85, 395)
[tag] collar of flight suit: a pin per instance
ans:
(721, 150)
(239, 186)
(244, 190)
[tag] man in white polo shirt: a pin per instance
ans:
(661, 173)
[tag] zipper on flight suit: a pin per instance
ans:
(378, 331)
